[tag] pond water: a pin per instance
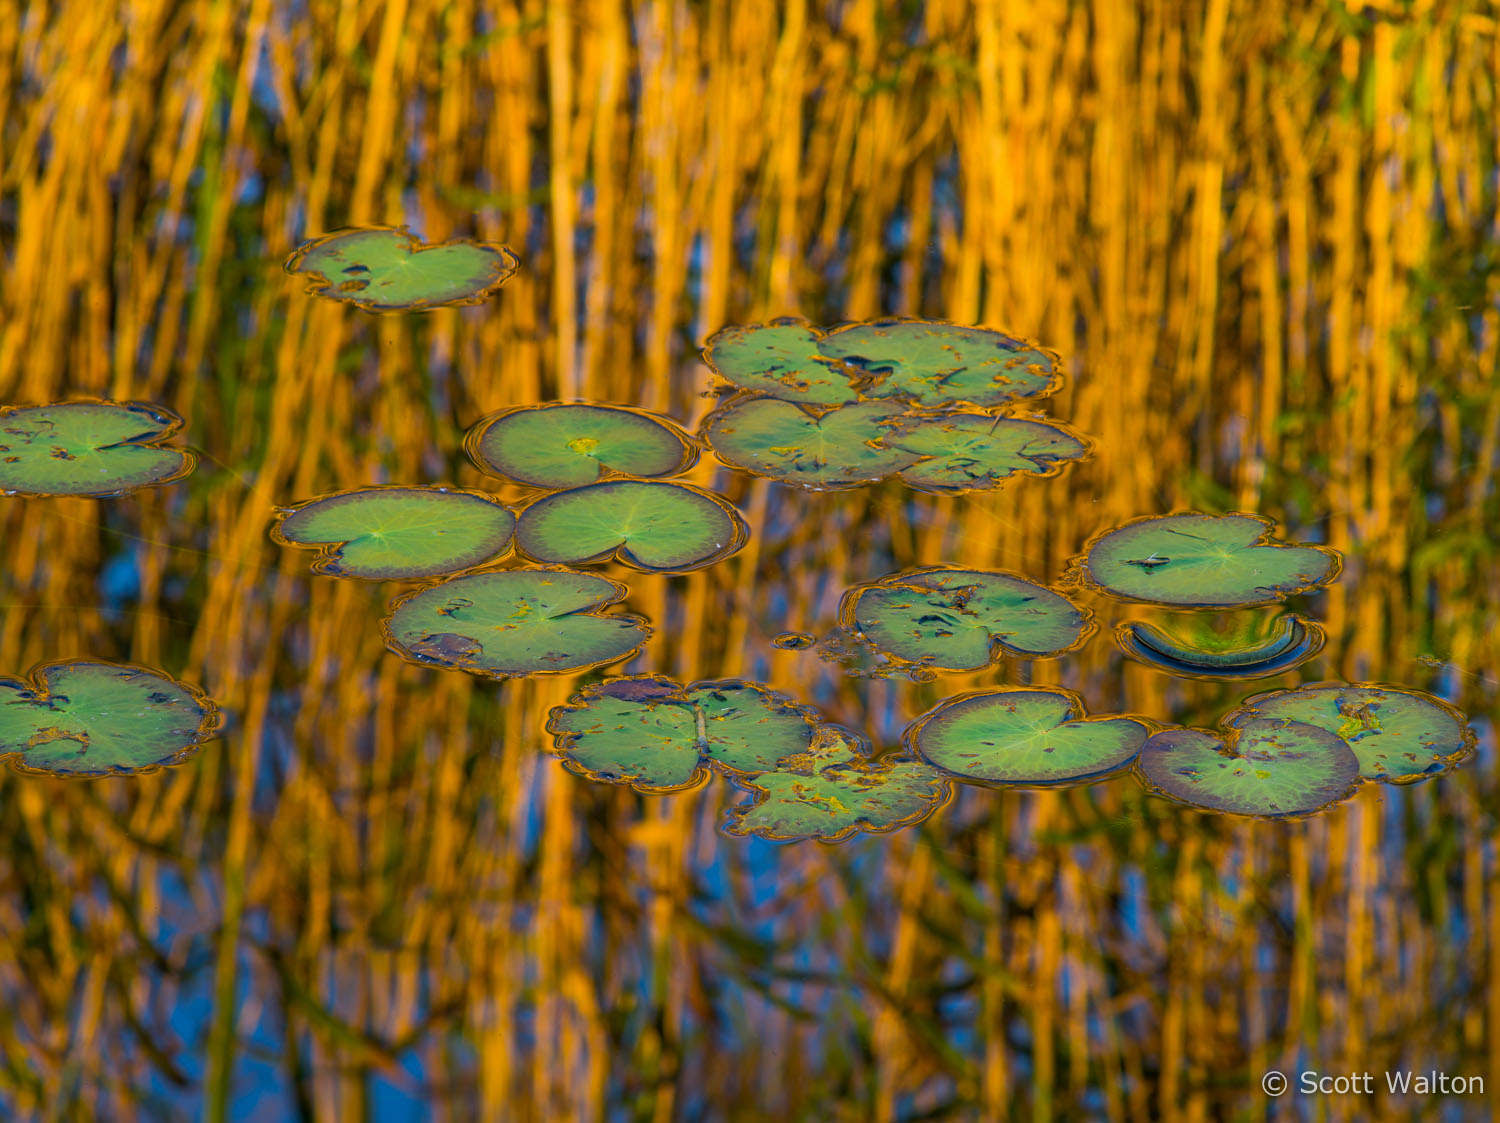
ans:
(729, 562)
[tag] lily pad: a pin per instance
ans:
(1399, 736)
(834, 790)
(84, 718)
(840, 449)
(1290, 641)
(1032, 737)
(952, 619)
(569, 444)
(88, 448)
(925, 362)
(398, 533)
(1203, 561)
(657, 527)
(658, 736)
(390, 269)
(970, 451)
(938, 364)
(1271, 769)
(781, 359)
(515, 623)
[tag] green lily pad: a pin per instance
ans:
(834, 790)
(1290, 641)
(840, 449)
(569, 444)
(657, 527)
(515, 623)
(925, 362)
(84, 718)
(657, 735)
(88, 448)
(938, 364)
(1271, 769)
(1203, 561)
(1034, 737)
(969, 451)
(398, 533)
(1399, 736)
(781, 359)
(390, 269)
(951, 619)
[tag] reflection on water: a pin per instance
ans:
(1260, 244)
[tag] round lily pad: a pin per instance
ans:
(657, 527)
(951, 619)
(569, 444)
(1271, 769)
(85, 718)
(781, 359)
(1204, 561)
(515, 623)
(1399, 736)
(390, 269)
(968, 451)
(656, 735)
(1290, 641)
(840, 449)
(398, 533)
(938, 364)
(1031, 737)
(834, 790)
(88, 448)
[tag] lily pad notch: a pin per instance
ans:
(89, 719)
(390, 269)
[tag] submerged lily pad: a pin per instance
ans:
(842, 448)
(925, 362)
(1270, 769)
(657, 735)
(951, 619)
(1398, 735)
(515, 623)
(834, 790)
(1204, 560)
(657, 527)
(569, 444)
(84, 718)
(398, 533)
(969, 451)
(1033, 736)
(1291, 641)
(88, 448)
(390, 269)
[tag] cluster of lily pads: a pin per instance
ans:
(1284, 754)
(919, 400)
(598, 470)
